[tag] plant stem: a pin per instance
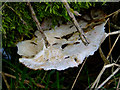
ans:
(81, 33)
(38, 25)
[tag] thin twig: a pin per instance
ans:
(111, 14)
(78, 74)
(109, 39)
(3, 4)
(113, 46)
(110, 81)
(76, 13)
(117, 59)
(101, 72)
(113, 33)
(109, 77)
(5, 80)
(106, 61)
(38, 24)
(98, 77)
(25, 81)
(82, 35)
(118, 84)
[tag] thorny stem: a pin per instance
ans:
(82, 35)
(47, 44)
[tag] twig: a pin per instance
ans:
(113, 33)
(113, 46)
(118, 84)
(109, 77)
(17, 15)
(114, 26)
(109, 39)
(5, 80)
(25, 81)
(98, 78)
(106, 61)
(76, 13)
(110, 81)
(38, 24)
(117, 59)
(81, 33)
(78, 75)
(3, 4)
(101, 72)
(111, 14)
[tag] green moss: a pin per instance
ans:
(14, 29)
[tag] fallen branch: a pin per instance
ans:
(81, 33)
(38, 25)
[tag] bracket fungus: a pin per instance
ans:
(66, 48)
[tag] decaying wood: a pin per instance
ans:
(82, 35)
(38, 25)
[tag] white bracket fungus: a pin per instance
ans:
(66, 49)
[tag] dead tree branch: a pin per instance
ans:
(38, 24)
(82, 35)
